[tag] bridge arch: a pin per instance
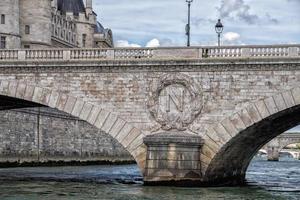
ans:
(288, 142)
(231, 143)
(130, 137)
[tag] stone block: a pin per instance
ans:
(37, 94)
(12, 89)
(206, 150)
(229, 127)
(77, 108)
(270, 103)
(62, 100)
(134, 133)
(124, 132)
(279, 102)
(4, 87)
(237, 122)
(211, 143)
(86, 110)
(70, 104)
(53, 99)
(211, 133)
(94, 114)
(21, 90)
(29, 92)
(109, 122)
(262, 108)
(117, 127)
(45, 97)
(296, 95)
(136, 143)
(253, 113)
(288, 98)
(245, 117)
(101, 118)
(222, 133)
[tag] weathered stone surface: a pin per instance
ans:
(173, 156)
(262, 108)
(61, 138)
(239, 99)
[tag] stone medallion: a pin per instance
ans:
(176, 102)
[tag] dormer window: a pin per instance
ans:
(27, 29)
(83, 40)
(2, 19)
(2, 42)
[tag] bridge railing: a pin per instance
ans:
(152, 53)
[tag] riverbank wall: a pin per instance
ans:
(44, 135)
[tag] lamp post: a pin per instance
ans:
(188, 26)
(219, 29)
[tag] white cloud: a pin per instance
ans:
(152, 20)
(231, 36)
(125, 43)
(153, 43)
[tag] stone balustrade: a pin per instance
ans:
(153, 53)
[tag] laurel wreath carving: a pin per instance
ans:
(181, 123)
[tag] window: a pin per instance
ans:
(83, 40)
(2, 42)
(2, 19)
(26, 46)
(27, 29)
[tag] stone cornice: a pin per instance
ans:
(154, 65)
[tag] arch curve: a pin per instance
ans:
(231, 143)
(288, 142)
(130, 137)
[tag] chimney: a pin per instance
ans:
(54, 4)
(89, 7)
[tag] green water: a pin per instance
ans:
(267, 180)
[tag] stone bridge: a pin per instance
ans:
(187, 115)
(274, 147)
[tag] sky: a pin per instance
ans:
(155, 23)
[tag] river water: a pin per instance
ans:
(266, 180)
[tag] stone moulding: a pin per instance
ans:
(177, 138)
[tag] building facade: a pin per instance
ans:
(51, 23)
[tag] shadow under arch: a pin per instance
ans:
(246, 132)
(29, 95)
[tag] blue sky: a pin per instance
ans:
(162, 22)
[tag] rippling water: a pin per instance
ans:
(267, 180)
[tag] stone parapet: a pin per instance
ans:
(242, 52)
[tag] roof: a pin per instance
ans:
(99, 28)
(75, 6)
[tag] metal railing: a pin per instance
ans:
(152, 53)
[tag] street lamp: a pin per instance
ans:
(188, 26)
(219, 29)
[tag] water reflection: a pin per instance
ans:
(268, 180)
